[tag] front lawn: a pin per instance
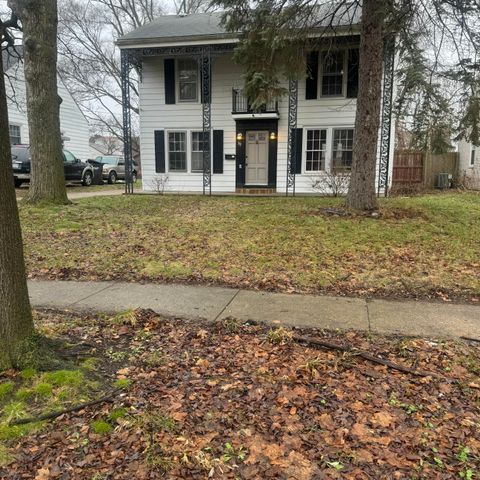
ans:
(426, 247)
(185, 400)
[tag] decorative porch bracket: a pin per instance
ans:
(387, 111)
(206, 69)
(127, 121)
(292, 125)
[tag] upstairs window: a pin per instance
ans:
(332, 73)
(14, 131)
(187, 80)
(342, 150)
(472, 156)
(316, 150)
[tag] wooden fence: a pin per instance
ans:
(408, 167)
(420, 169)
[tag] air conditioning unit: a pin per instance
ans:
(443, 180)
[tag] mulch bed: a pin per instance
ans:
(244, 402)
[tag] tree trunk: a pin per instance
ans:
(16, 324)
(361, 193)
(39, 21)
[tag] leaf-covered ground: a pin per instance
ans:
(233, 401)
(425, 247)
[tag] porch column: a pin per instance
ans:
(206, 119)
(127, 123)
(387, 109)
(292, 125)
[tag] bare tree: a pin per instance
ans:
(39, 23)
(90, 62)
(188, 7)
(16, 324)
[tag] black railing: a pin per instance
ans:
(241, 104)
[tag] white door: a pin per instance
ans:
(256, 159)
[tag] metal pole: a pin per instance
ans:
(206, 119)
(292, 126)
(127, 123)
(387, 111)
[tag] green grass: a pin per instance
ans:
(33, 393)
(422, 246)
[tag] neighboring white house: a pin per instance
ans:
(249, 149)
(469, 164)
(73, 124)
(105, 145)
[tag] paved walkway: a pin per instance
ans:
(72, 195)
(213, 303)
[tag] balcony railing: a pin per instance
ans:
(241, 104)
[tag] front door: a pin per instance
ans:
(256, 160)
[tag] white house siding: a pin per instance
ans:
(326, 113)
(465, 168)
(73, 123)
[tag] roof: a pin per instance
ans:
(11, 56)
(168, 29)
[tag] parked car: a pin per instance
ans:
(75, 170)
(114, 168)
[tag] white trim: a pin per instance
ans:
(188, 132)
(167, 147)
(177, 81)
(321, 55)
(304, 151)
(329, 152)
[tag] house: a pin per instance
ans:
(73, 124)
(105, 145)
(199, 133)
(469, 164)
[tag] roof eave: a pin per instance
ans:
(202, 39)
(183, 40)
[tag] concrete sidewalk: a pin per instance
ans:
(216, 303)
(72, 195)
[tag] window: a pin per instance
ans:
(109, 160)
(332, 73)
(199, 143)
(472, 156)
(69, 157)
(14, 131)
(316, 150)
(342, 150)
(187, 80)
(177, 151)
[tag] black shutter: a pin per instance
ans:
(352, 79)
(159, 151)
(311, 85)
(297, 145)
(218, 151)
(169, 70)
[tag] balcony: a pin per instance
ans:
(241, 107)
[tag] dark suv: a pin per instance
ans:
(75, 170)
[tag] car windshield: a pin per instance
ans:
(109, 160)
